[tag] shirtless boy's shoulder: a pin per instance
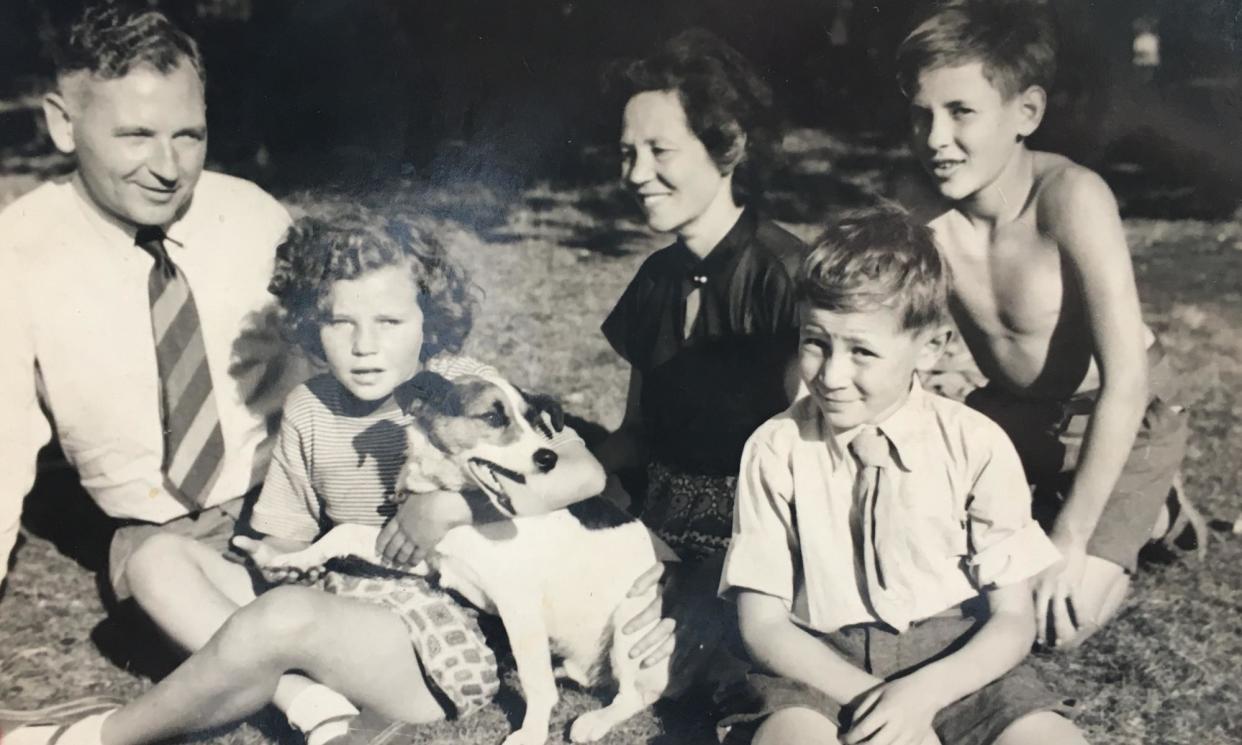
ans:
(1064, 191)
(1061, 188)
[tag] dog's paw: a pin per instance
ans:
(591, 726)
(527, 736)
(301, 561)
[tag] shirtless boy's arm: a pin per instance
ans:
(1079, 212)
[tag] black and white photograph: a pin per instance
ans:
(674, 372)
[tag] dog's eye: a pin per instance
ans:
(495, 416)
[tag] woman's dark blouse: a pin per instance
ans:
(703, 396)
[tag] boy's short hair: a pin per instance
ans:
(877, 258)
(108, 40)
(346, 241)
(1013, 40)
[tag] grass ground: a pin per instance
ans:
(551, 262)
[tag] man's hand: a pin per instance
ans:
(1055, 589)
(897, 712)
(421, 521)
(265, 554)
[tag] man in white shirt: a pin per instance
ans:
(136, 324)
(77, 342)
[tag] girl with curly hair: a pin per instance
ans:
(376, 299)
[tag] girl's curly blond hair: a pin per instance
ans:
(347, 241)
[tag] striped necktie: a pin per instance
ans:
(193, 442)
(886, 550)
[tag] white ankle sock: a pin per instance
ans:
(320, 712)
(325, 732)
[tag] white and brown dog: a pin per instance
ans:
(558, 581)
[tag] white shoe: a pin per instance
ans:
(83, 730)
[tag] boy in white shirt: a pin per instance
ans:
(883, 540)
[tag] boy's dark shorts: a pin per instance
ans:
(1049, 434)
(977, 719)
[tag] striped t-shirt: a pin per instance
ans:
(333, 466)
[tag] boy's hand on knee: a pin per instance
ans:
(1055, 589)
(898, 712)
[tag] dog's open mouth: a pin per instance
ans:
(491, 478)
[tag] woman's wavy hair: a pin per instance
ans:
(723, 96)
(348, 241)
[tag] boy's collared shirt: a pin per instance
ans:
(954, 472)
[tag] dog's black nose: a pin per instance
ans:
(545, 459)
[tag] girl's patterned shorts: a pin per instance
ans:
(445, 634)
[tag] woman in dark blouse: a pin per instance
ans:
(708, 324)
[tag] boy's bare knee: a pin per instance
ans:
(1040, 728)
(152, 565)
(795, 726)
(277, 625)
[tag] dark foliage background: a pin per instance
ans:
(507, 91)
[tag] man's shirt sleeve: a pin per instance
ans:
(23, 426)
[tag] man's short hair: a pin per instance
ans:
(1013, 40)
(108, 40)
(877, 258)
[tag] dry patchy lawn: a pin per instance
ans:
(551, 265)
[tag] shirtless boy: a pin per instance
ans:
(1044, 296)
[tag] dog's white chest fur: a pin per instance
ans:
(538, 565)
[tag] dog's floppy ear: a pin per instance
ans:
(426, 389)
(544, 409)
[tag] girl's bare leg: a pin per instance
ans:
(362, 651)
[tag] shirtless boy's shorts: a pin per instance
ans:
(1049, 434)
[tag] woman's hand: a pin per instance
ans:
(693, 617)
(657, 644)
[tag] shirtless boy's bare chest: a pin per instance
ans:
(1008, 279)
(1015, 302)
